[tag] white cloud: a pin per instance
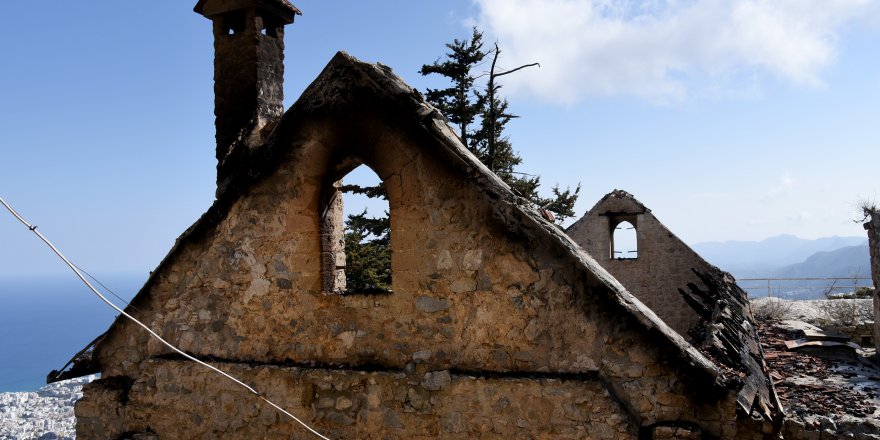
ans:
(799, 217)
(708, 195)
(785, 182)
(783, 188)
(661, 49)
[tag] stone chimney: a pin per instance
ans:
(248, 73)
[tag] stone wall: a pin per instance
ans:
(664, 262)
(168, 401)
(493, 322)
(873, 228)
(701, 302)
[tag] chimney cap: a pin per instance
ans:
(281, 8)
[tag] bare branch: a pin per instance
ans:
(518, 68)
(867, 208)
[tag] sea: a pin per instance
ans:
(46, 320)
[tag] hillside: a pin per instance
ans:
(44, 414)
(759, 259)
(851, 261)
(844, 262)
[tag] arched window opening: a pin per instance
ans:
(624, 242)
(356, 235)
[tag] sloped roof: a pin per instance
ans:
(282, 7)
(727, 332)
(347, 83)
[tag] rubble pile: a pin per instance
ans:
(822, 392)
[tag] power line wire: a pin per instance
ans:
(106, 288)
(79, 274)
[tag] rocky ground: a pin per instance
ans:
(817, 312)
(46, 414)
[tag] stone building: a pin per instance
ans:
(872, 225)
(696, 299)
(653, 268)
(497, 324)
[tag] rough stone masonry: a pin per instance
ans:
(695, 298)
(498, 325)
(873, 228)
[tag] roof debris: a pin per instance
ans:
(820, 391)
(727, 334)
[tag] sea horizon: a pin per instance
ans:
(46, 319)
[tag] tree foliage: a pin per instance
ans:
(367, 253)
(457, 102)
(464, 104)
(481, 115)
(367, 246)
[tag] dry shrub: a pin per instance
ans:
(847, 312)
(771, 309)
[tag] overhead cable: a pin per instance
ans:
(150, 331)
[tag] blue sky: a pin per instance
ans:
(730, 119)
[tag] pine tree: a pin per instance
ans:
(494, 149)
(367, 242)
(367, 254)
(457, 102)
(488, 142)
(367, 247)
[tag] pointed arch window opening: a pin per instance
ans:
(624, 241)
(356, 235)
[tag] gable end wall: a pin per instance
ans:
(663, 266)
(477, 310)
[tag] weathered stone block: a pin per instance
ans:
(676, 433)
(431, 305)
(436, 380)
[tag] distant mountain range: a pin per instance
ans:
(787, 256)
(851, 261)
(758, 259)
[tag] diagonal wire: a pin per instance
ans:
(106, 288)
(150, 331)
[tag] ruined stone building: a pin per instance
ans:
(498, 324)
(661, 265)
(696, 299)
(872, 225)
